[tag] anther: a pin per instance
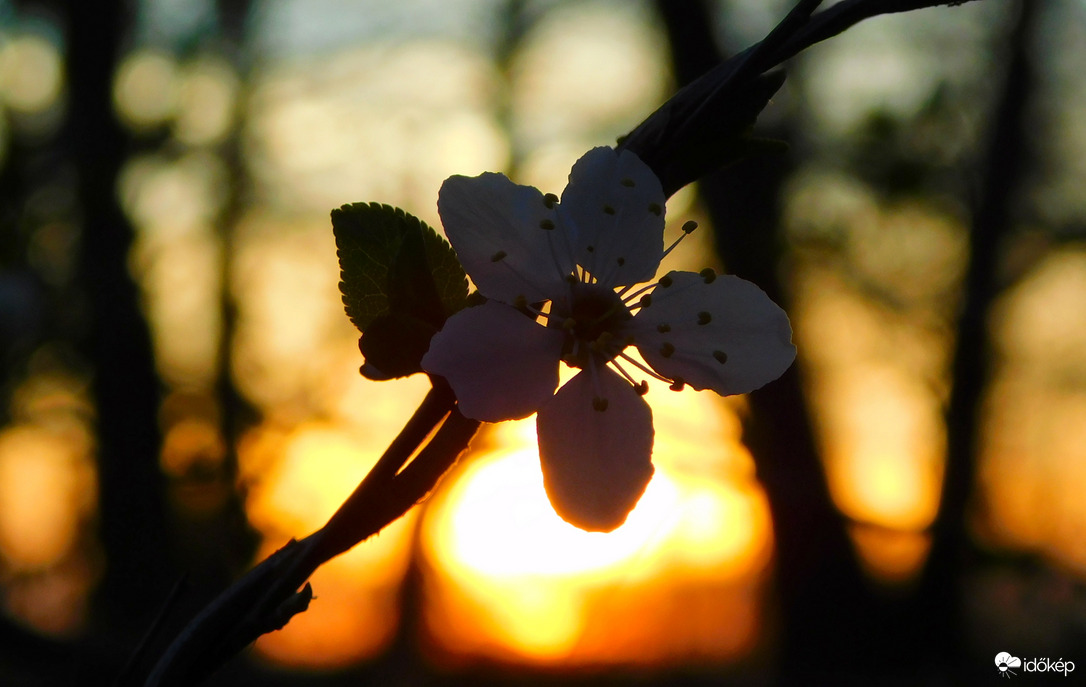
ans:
(666, 281)
(678, 384)
(645, 301)
(721, 357)
(667, 350)
(663, 328)
(599, 404)
(550, 200)
(590, 248)
(627, 182)
(498, 256)
(689, 227)
(655, 209)
(642, 388)
(704, 317)
(608, 210)
(708, 275)
(546, 224)
(621, 261)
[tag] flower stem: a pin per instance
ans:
(268, 596)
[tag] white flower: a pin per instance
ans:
(560, 280)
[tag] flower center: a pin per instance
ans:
(593, 316)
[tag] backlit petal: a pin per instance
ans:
(616, 208)
(725, 335)
(501, 364)
(510, 243)
(596, 464)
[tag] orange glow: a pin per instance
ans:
(876, 382)
(513, 582)
(46, 487)
(355, 610)
(884, 454)
(890, 555)
(1033, 469)
(189, 443)
(298, 479)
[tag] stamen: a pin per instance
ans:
(498, 256)
(678, 385)
(550, 200)
(626, 299)
(708, 274)
(721, 357)
(599, 404)
(642, 388)
(663, 327)
(590, 248)
(667, 349)
(546, 225)
(647, 370)
(704, 318)
(655, 209)
(621, 261)
(666, 281)
(608, 210)
(627, 182)
(688, 228)
(624, 373)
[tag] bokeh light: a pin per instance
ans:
(681, 581)
(145, 88)
(31, 73)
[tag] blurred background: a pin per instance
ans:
(179, 390)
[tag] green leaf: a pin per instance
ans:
(400, 281)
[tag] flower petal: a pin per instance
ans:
(616, 206)
(509, 241)
(596, 464)
(721, 333)
(501, 364)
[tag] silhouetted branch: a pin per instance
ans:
(268, 596)
(704, 125)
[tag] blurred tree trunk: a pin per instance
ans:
(832, 624)
(133, 520)
(828, 619)
(1002, 168)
